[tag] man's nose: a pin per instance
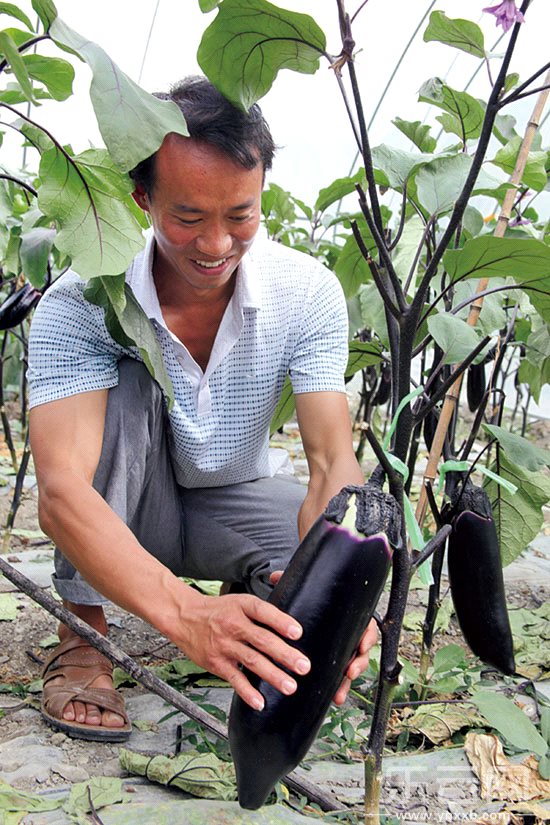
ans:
(214, 241)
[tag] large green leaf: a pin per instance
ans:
(466, 113)
(534, 175)
(56, 74)
(505, 716)
(129, 325)
(337, 190)
(461, 34)
(46, 11)
(526, 260)
(362, 354)
(440, 182)
(417, 132)
(15, 11)
(132, 122)
(520, 450)
(34, 251)
(405, 254)
(250, 41)
(9, 49)
(397, 165)
(518, 516)
(84, 196)
(534, 368)
(351, 267)
(456, 338)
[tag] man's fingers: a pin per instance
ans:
(275, 576)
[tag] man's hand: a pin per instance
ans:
(224, 632)
(360, 661)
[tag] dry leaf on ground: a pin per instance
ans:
(500, 778)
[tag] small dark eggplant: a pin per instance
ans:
(475, 385)
(476, 579)
(17, 306)
(383, 391)
(331, 586)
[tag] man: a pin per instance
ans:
(135, 499)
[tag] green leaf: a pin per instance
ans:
(250, 41)
(15, 11)
(337, 190)
(351, 267)
(526, 260)
(460, 34)
(200, 774)
(456, 338)
(519, 450)
(12, 799)
(405, 254)
(34, 252)
(397, 165)
(448, 658)
(56, 74)
(518, 517)
(534, 175)
(505, 716)
(440, 182)
(46, 11)
(83, 196)
(103, 790)
(362, 354)
(129, 325)
(9, 49)
(417, 132)
(132, 122)
(284, 409)
(467, 113)
(208, 5)
(504, 128)
(8, 607)
(472, 221)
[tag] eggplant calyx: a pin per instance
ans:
(470, 498)
(375, 511)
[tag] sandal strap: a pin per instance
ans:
(76, 653)
(57, 697)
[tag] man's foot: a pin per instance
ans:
(78, 694)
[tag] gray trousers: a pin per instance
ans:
(237, 533)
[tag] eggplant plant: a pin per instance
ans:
(440, 249)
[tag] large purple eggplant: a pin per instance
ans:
(331, 586)
(476, 580)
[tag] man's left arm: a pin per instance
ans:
(325, 428)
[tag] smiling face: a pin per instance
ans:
(205, 211)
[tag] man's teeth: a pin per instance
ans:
(211, 264)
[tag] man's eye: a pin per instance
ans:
(240, 218)
(189, 221)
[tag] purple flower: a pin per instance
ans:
(506, 14)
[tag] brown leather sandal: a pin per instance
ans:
(80, 664)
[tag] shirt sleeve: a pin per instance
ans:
(320, 356)
(70, 350)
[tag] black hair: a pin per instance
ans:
(243, 136)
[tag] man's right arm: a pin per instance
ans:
(219, 633)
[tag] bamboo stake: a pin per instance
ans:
(451, 398)
(296, 783)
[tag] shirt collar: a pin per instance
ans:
(140, 278)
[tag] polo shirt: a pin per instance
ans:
(287, 316)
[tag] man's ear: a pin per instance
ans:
(141, 198)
